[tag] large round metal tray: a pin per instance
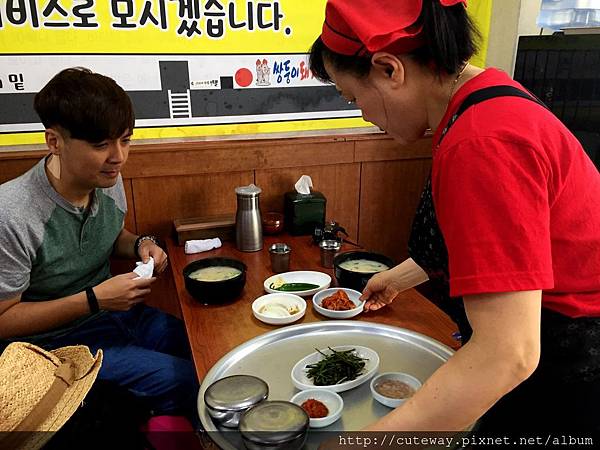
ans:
(272, 355)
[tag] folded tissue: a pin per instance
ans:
(201, 245)
(144, 270)
(303, 185)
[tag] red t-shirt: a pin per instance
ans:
(518, 202)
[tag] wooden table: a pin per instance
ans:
(215, 330)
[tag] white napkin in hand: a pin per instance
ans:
(201, 245)
(144, 270)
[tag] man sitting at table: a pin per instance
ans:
(59, 224)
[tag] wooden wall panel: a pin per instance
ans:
(389, 150)
(390, 192)
(12, 168)
(234, 156)
(306, 154)
(130, 217)
(339, 183)
(158, 201)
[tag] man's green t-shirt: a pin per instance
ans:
(49, 248)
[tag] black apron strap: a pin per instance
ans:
(426, 244)
(569, 367)
(487, 94)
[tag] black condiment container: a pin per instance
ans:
(303, 212)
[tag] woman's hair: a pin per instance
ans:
(90, 106)
(451, 40)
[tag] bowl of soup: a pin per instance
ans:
(215, 280)
(354, 269)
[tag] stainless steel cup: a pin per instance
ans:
(329, 249)
(280, 257)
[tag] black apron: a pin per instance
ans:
(564, 391)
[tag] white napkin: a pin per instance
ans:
(201, 245)
(303, 184)
(144, 270)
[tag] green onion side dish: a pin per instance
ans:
(291, 287)
(336, 368)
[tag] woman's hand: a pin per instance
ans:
(148, 249)
(381, 290)
(383, 287)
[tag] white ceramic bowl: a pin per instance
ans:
(286, 301)
(320, 279)
(330, 399)
(400, 376)
(302, 382)
(352, 295)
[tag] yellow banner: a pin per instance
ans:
(159, 26)
(136, 41)
(481, 13)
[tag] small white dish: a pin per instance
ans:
(399, 376)
(302, 382)
(353, 295)
(330, 399)
(320, 279)
(272, 308)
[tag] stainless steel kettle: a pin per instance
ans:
(248, 224)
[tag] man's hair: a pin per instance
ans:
(451, 40)
(90, 106)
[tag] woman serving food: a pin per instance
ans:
(507, 230)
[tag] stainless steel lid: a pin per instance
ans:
(274, 422)
(280, 248)
(236, 393)
(330, 244)
(248, 191)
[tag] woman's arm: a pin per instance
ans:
(503, 352)
(383, 287)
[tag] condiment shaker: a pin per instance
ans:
(248, 224)
(280, 257)
(329, 248)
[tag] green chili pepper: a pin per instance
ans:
(289, 287)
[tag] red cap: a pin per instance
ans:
(355, 27)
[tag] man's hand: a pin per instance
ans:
(148, 249)
(122, 292)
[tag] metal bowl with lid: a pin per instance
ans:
(228, 398)
(274, 425)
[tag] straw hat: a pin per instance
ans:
(40, 390)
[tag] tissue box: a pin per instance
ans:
(303, 212)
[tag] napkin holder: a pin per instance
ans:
(303, 212)
(222, 226)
